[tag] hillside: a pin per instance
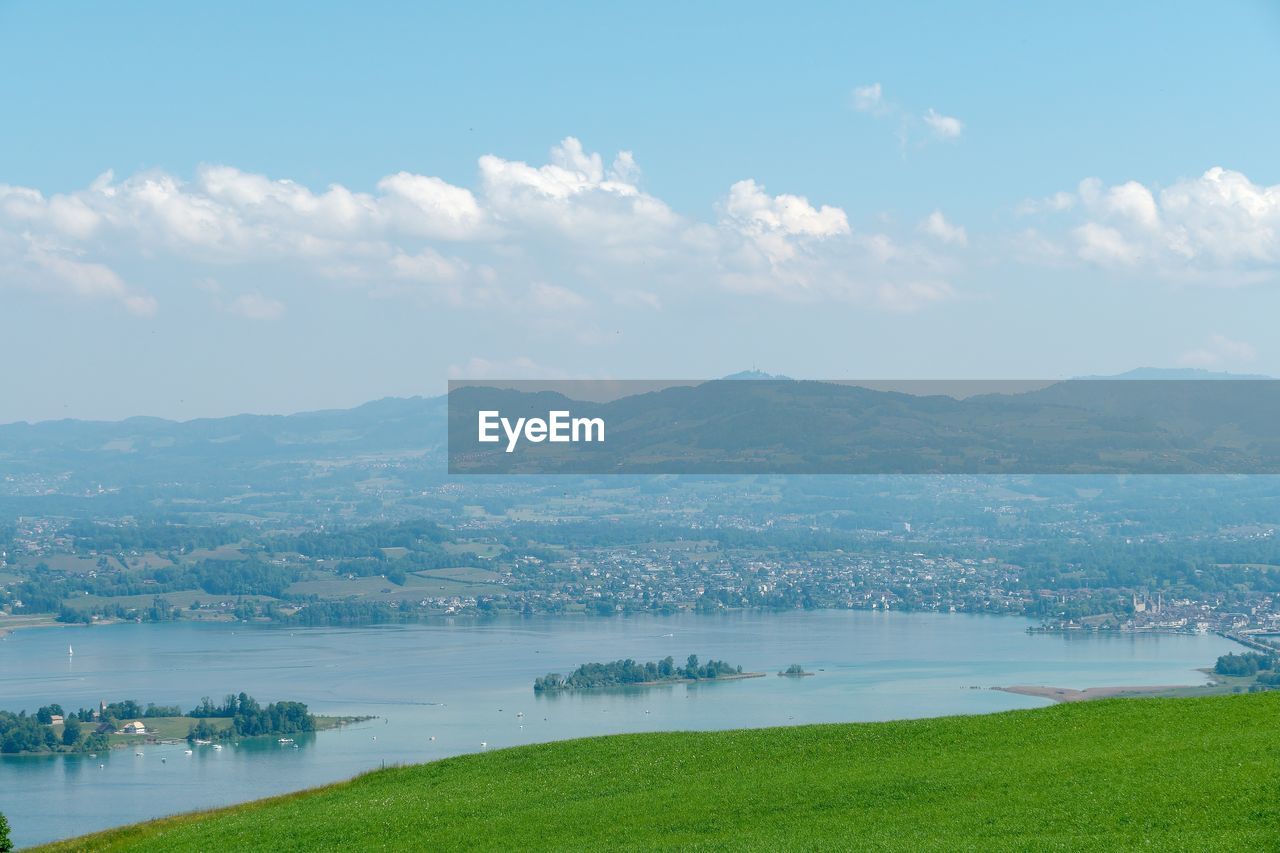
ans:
(1159, 773)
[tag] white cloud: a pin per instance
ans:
(779, 225)
(419, 204)
(579, 220)
(752, 209)
(1220, 225)
(944, 127)
(1218, 351)
(41, 266)
(255, 306)
(870, 99)
(1105, 246)
(574, 197)
(936, 225)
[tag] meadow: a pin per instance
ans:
(1167, 774)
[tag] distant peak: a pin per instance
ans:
(755, 374)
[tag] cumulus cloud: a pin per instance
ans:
(778, 226)
(1220, 225)
(785, 246)
(580, 220)
(574, 196)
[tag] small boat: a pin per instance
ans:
(285, 740)
(138, 754)
(188, 752)
(519, 713)
(433, 737)
(70, 651)
(217, 746)
(484, 744)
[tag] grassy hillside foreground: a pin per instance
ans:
(1155, 773)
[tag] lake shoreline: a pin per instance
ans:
(451, 687)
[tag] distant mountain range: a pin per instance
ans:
(820, 427)
(807, 427)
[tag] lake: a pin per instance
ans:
(463, 682)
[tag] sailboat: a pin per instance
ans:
(70, 652)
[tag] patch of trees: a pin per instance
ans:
(128, 709)
(347, 613)
(628, 671)
(35, 733)
(1246, 664)
(249, 719)
(364, 541)
(247, 577)
(158, 535)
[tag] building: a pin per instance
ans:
(133, 728)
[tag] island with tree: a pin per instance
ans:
(794, 671)
(51, 729)
(631, 673)
(242, 716)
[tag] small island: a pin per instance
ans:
(630, 673)
(128, 723)
(794, 671)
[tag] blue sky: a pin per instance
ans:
(887, 190)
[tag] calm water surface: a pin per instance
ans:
(462, 682)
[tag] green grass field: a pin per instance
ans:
(1155, 774)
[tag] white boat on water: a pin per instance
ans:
(70, 652)
(285, 740)
(217, 746)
